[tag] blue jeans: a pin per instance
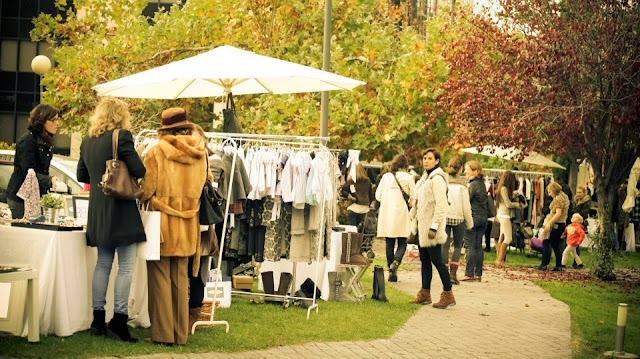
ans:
(126, 263)
(473, 243)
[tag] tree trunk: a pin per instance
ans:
(603, 251)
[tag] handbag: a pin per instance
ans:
(413, 239)
(150, 250)
(231, 123)
(209, 242)
(405, 195)
(116, 180)
(491, 207)
(210, 204)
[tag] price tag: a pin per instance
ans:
(352, 188)
(214, 184)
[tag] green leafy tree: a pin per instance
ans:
(106, 39)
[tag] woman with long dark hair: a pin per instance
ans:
(34, 150)
(506, 187)
(430, 210)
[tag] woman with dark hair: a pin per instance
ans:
(33, 150)
(554, 225)
(430, 210)
(113, 225)
(458, 216)
(176, 172)
(504, 195)
(479, 200)
(393, 215)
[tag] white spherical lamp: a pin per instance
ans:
(40, 64)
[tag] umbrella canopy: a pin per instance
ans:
(630, 201)
(510, 153)
(222, 70)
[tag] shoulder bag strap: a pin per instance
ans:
(398, 182)
(114, 143)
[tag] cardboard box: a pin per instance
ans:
(242, 282)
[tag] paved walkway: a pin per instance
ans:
(496, 318)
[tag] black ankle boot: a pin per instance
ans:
(118, 329)
(98, 326)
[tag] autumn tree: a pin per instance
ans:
(557, 77)
(101, 40)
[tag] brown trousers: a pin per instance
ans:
(169, 299)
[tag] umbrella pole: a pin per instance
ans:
(326, 54)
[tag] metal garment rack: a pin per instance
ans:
(302, 142)
(497, 172)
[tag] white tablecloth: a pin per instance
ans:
(66, 265)
(305, 270)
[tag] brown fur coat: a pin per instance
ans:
(176, 170)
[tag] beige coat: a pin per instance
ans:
(176, 170)
(393, 216)
(431, 207)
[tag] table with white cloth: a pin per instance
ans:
(306, 270)
(65, 264)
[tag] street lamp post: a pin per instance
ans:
(41, 65)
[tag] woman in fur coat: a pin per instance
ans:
(176, 172)
(430, 210)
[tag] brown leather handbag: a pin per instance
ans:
(116, 180)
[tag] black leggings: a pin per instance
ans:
(433, 255)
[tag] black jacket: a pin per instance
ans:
(478, 197)
(31, 152)
(112, 222)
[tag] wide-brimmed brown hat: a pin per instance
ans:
(175, 117)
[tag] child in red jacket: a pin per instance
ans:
(575, 236)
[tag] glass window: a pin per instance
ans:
(25, 27)
(10, 8)
(8, 55)
(27, 101)
(7, 81)
(7, 99)
(9, 27)
(28, 82)
(27, 53)
(29, 8)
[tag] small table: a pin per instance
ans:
(355, 274)
(31, 276)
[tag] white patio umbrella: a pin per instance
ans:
(510, 153)
(222, 70)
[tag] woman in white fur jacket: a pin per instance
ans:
(393, 217)
(430, 210)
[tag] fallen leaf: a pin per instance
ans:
(526, 305)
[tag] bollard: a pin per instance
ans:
(618, 352)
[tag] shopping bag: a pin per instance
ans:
(150, 250)
(221, 293)
(630, 238)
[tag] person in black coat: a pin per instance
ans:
(113, 224)
(33, 150)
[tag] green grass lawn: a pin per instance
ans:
(334, 322)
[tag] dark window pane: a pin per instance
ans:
(27, 101)
(10, 8)
(9, 28)
(28, 82)
(7, 81)
(7, 99)
(29, 8)
(150, 10)
(25, 27)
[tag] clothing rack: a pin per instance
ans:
(497, 172)
(302, 142)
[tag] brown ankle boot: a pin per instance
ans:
(423, 297)
(446, 300)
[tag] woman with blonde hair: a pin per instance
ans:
(113, 225)
(506, 187)
(360, 191)
(554, 225)
(479, 200)
(459, 217)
